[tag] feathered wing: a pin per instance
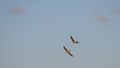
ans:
(70, 54)
(65, 48)
(72, 39)
(76, 42)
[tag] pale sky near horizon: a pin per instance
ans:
(33, 33)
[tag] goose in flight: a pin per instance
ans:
(73, 40)
(67, 51)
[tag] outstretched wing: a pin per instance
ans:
(70, 54)
(65, 48)
(72, 39)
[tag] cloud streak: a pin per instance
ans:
(99, 16)
(102, 18)
(17, 10)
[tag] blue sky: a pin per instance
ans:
(33, 33)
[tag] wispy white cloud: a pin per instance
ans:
(99, 16)
(17, 10)
(102, 18)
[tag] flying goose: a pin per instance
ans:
(67, 51)
(73, 40)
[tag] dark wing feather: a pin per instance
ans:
(70, 54)
(77, 42)
(65, 48)
(72, 39)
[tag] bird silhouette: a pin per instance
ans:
(73, 40)
(67, 51)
